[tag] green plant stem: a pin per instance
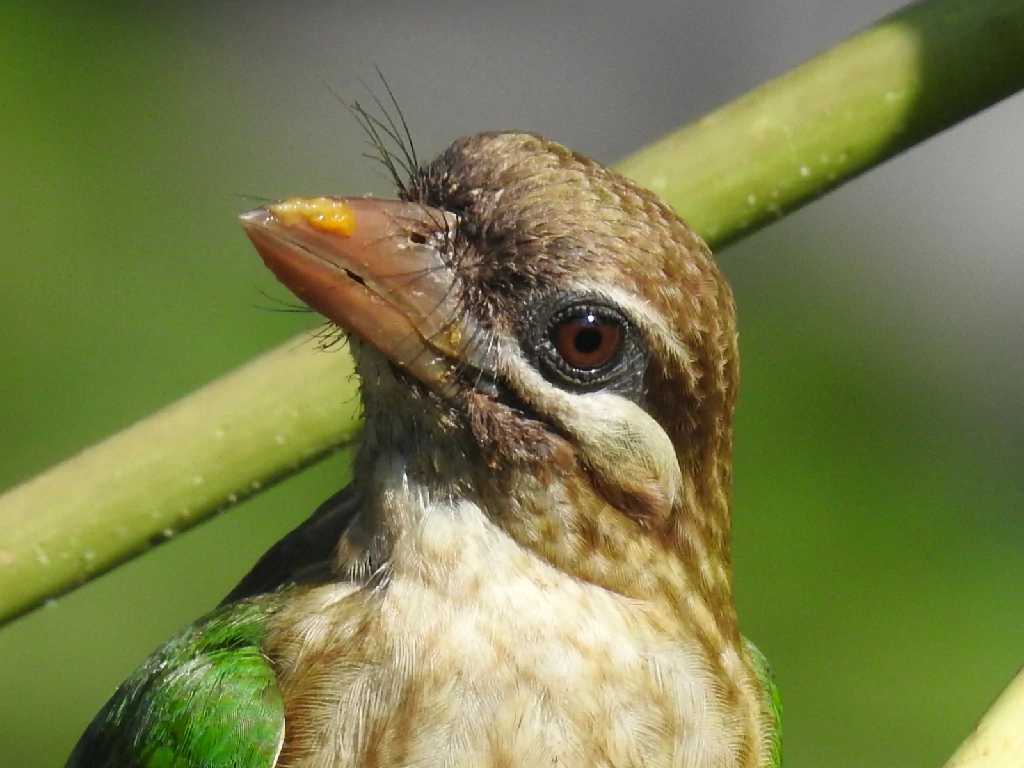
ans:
(997, 741)
(222, 443)
(872, 96)
(887, 88)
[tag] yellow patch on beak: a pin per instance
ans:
(323, 213)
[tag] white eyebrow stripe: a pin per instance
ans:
(643, 315)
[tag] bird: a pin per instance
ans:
(531, 566)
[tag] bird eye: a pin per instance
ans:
(587, 340)
(584, 343)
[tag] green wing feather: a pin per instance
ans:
(772, 700)
(206, 699)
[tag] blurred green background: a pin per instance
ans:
(879, 535)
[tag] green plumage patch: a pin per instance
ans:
(772, 699)
(206, 699)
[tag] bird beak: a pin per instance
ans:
(376, 268)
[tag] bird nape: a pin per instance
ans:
(531, 566)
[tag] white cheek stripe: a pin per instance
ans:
(615, 436)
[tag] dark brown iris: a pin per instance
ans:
(588, 341)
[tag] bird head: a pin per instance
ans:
(543, 337)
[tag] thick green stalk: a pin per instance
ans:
(891, 86)
(997, 741)
(882, 91)
(222, 443)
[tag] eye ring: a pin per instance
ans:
(583, 343)
(586, 339)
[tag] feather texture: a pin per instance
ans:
(532, 566)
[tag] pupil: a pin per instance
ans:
(588, 340)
